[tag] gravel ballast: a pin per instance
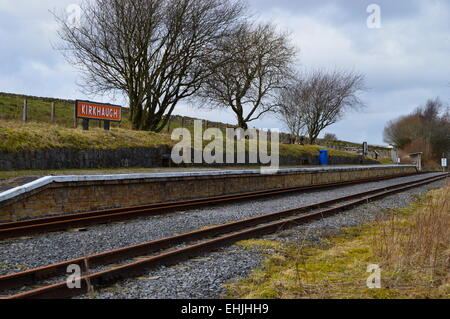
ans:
(198, 278)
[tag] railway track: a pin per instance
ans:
(167, 250)
(70, 221)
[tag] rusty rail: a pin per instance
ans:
(228, 233)
(64, 222)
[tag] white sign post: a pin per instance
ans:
(444, 164)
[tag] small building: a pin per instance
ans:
(394, 154)
(416, 159)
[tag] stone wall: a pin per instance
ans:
(73, 197)
(310, 159)
(130, 157)
(66, 158)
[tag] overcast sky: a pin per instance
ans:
(406, 61)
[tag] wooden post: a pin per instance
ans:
(53, 119)
(25, 111)
(85, 125)
(75, 120)
(169, 123)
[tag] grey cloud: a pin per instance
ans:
(349, 10)
(405, 62)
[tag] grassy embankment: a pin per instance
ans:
(16, 136)
(411, 245)
(26, 137)
(37, 134)
(40, 112)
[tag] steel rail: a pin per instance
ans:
(268, 223)
(64, 222)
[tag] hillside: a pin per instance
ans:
(16, 136)
(37, 134)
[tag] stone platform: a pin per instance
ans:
(54, 195)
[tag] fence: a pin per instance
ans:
(177, 121)
(52, 111)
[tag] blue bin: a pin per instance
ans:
(323, 157)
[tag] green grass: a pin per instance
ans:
(39, 110)
(300, 150)
(351, 144)
(386, 161)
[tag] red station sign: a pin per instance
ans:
(98, 111)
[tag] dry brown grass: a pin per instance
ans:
(416, 248)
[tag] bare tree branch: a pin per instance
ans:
(151, 50)
(325, 97)
(257, 64)
(290, 109)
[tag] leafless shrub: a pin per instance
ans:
(330, 137)
(290, 111)
(323, 98)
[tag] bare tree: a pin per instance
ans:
(150, 50)
(425, 130)
(290, 109)
(330, 137)
(326, 97)
(258, 63)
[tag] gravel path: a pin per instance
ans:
(198, 278)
